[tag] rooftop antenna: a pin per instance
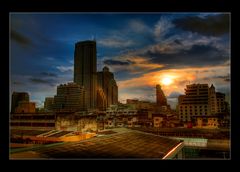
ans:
(94, 37)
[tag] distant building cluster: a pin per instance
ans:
(91, 90)
(90, 103)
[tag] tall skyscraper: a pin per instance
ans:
(107, 83)
(85, 70)
(161, 99)
(18, 97)
(48, 103)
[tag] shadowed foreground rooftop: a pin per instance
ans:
(121, 144)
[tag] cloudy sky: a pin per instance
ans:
(141, 49)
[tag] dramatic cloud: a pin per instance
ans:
(116, 62)
(197, 55)
(20, 38)
(174, 94)
(130, 65)
(221, 78)
(162, 27)
(115, 42)
(17, 83)
(65, 68)
(42, 81)
(180, 78)
(177, 42)
(139, 26)
(215, 25)
(48, 74)
(140, 49)
(225, 78)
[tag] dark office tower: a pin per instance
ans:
(85, 70)
(18, 97)
(107, 83)
(161, 99)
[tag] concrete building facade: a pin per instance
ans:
(26, 107)
(48, 103)
(199, 100)
(18, 97)
(33, 121)
(221, 103)
(107, 83)
(70, 97)
(161, 99)
(101, 99)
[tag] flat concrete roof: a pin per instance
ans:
(120, 144)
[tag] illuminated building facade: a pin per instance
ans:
(200, 100)
(161, 99)
(101, 100)
(107, 83)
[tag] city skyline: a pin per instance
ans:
(142, 50)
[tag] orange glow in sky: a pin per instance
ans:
(166, 81)
(171, 80)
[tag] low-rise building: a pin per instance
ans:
(33, 121)
(70, 97)
(26, 107)
(208, 122)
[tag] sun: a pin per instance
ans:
(167, 81)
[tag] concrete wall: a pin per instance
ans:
(83, 124)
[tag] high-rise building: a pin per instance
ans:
(101, 100)
(200, 100)
(18, 97)
(48, 103)
(107, 83)
(70, 97)
(212, 100)
(85, 70)
(221, 103)
(161, 99)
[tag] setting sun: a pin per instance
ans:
(166, 81)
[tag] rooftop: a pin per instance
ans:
(119, 144)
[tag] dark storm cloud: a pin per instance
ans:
(142, 88)
(197, 55)
(20, 38)
(224, 78)
(117, 62)
(17, 83)
(177, 41)
(48, 74)
(42, 81)
(174, 95)
(216, 25)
